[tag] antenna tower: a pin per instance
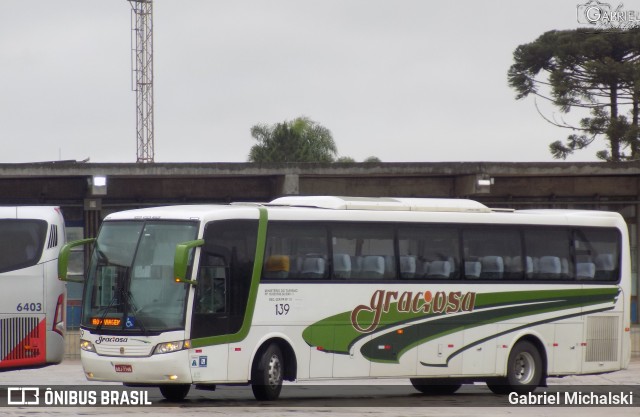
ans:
(142, 75)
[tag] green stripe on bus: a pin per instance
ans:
(511, 330)
(343, 335)
(253, 291)
(418, 334)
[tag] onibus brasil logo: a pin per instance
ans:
(382, 302)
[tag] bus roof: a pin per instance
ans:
(179, 212)
(382, 209)
(383, 203)
(51, 214)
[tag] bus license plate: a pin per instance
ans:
(124, 368)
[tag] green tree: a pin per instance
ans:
(372, 159)
(595, 70)
(299, 140)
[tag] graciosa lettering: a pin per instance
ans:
(426, 302)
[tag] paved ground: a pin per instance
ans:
(378, 398)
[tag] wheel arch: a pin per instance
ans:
(288, 353)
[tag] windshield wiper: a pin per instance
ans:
(103, 316)
(128, 296)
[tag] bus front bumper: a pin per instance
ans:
(168, 368)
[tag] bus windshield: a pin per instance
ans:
(130, 284)
(22, 242)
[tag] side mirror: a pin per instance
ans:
(63, 259)
(181, 260)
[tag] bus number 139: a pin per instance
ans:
(282, 309)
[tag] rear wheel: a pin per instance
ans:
(175, 392)
(267, 375)
(431, 386)
(524, 370)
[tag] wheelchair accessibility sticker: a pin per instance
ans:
(198, 361)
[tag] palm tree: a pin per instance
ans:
(299, 140)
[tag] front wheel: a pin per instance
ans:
(175, 393)
(524, 370)
(267, 375)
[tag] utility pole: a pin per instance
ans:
(142, 75)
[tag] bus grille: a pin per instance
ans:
(603, 335)
(19, 338)
(124, 351)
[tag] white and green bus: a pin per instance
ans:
(441, 292)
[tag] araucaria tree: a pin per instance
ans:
(596, 70)
(299, 140)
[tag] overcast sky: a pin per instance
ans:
(403, 80)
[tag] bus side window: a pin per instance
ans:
(492, 254)
(296, 251)
(364, 251)
(430, 252)
(548, 254)
(597, 254)
(212, 290)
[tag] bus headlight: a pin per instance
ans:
(169, 347)
(87, 346)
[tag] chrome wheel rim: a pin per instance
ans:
(524, 368)
(275, 371)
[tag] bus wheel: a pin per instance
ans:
(524, 370)
(175, 392)
(267, 374)
(432, 386)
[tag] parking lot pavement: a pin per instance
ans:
(379, 397)
(70, 372)
(629, 376)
